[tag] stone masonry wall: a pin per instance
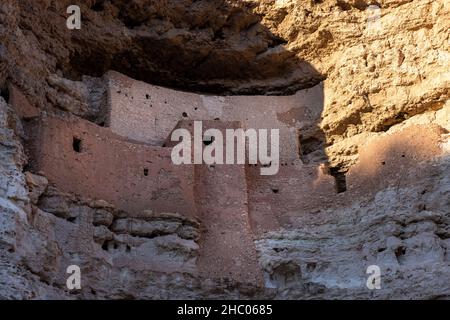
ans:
(85, 159)
(148, 113)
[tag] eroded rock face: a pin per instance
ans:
(379, 77)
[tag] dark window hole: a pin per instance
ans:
(76, 144)
(184, 114)
(340, 179)
(4, 92)
(147, 96)
(146, 172)
(275, 190)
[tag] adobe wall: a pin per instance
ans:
(133, 177)
(235, 204)
(148, 113)
(299, 192)
(278, 201)
(227, 248)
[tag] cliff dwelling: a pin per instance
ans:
(219, 209)
(87, 171)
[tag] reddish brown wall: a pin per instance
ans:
(303, 190)
(279, 200)
(109, 167)
(226, 248)
(148, 113)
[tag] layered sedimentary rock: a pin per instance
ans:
(371, 186)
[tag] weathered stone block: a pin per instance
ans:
(36, 186)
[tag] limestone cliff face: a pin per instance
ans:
(384, 69)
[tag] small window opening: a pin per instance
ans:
(77, 145)
(340, 179)
(184, 114)
(146, 172)
(4, 92)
